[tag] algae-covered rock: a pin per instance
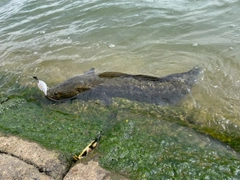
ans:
(67, 127)
(139, 140)
(7, 103)
(150, 148)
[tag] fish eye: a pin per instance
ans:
(55, 93)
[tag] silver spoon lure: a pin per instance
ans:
(41, 85)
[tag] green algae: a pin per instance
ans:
(155, 149)
(194, 118)
(52, 127)
(139, 140)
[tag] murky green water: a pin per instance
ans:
(55, 40)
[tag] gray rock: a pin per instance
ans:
(49, 162)
(89, 171)
(13, 168)
(24, 160)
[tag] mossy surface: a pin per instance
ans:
(139, 140)
(51, 125)
(149, 148)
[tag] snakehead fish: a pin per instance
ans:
(168, 90)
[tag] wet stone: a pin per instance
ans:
(13, 168)
(50, 163)
(25, 160)
(91, 170)
(88, 171)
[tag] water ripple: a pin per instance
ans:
(147, 36)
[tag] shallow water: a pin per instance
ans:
(56, 40)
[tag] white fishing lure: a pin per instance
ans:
(42, 85)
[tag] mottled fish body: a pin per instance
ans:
(168, 90)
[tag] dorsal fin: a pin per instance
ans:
(118, 74)
(112, 75)
(90, 71)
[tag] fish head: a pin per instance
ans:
(73, 86)
(58, 94)
(65, 92)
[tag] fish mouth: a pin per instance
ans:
(62, 99)
(52, 99)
